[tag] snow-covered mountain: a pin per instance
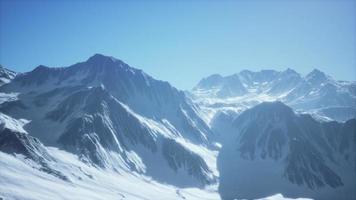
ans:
(270, 148)
(100, 129)
(316, 93)
(6, 75)
(115, 117)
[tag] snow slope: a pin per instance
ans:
(20, 180)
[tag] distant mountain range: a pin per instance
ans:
(104, 130)
(316, 93)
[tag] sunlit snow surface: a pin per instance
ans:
(19, 179)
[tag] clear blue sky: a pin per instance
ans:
(183, 41)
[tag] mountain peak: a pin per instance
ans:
(213, 77)
(210, 81)
(272, 108)
(277, 105)
(245, 72)
(41, 67)
(316, 76)
(100, 61)
(101, 58)
(290, 71)
(316, 72)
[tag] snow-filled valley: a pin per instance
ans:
(100, 129)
